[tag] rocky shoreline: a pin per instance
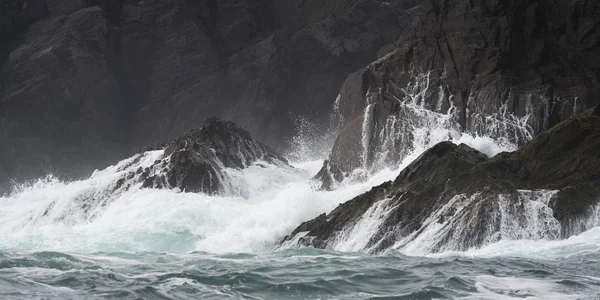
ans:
(462, 199)
(84, 82)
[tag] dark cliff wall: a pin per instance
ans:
(497, 64)
(254, 62)
(60, 103)
(86, 81)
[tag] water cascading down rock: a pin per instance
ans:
(455, 198)
(501, 69)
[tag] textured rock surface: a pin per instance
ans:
(196, 161)
(261, 62)
(142, 72)
(507, 69)
(59, 101)
(457, 198)
(206, 160)
(137, 73)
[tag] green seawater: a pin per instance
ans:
(294, 274)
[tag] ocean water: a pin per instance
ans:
(168, 244)
(294, 274)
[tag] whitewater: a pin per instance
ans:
(170, 244)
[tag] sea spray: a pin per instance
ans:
(167, 243)
(274, 200)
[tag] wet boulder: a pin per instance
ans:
(455, 198)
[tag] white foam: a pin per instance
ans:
(276, 200)
(485, 145)
(358, 235)
(268, 201)
(494, 287)
(587, 242)
(524, 226)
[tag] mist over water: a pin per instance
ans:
(169, 244)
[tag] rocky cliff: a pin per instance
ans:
(502, 69)
(455, 198)
(84, 82)
(60, 105)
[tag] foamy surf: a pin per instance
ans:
(170, 244)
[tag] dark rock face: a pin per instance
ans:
(260, 61)
(17, 14)
(196, 162)
(505, 69)
(82, 85)
(455, 198)
(59, 101)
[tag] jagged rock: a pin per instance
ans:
(505, 69)
(328, 177)
(564, 158)
(157, 68)
(457, 198)
(196, 161)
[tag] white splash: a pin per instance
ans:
(526, 218)
(272, 202)
(313, 141)
(433, 231)
(366, 130)
(49, 201)
(416, 125)
(502, 125)
(357, 236)
(498, 288)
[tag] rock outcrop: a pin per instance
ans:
(504, 69)
(205, 160)
(197, 161)
(455, 198)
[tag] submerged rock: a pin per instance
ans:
(455, 198)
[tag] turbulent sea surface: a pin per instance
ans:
(168, 244)
(298, 274)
